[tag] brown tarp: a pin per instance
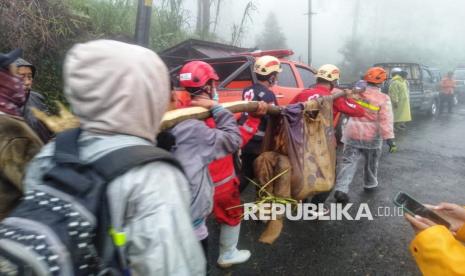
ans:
(301, 140)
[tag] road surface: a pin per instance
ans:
(430, 166)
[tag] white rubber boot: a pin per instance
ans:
(229, 254)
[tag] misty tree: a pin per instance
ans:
(208, 18)
(272, 36)
(203, 18)
(238, 30)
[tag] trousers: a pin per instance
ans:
(347, 168)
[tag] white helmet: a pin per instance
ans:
(396, 70)
(266, 65)
(328, 72)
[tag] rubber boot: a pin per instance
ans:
(229, 254)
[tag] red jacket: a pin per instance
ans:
(222, 170)
(344, 105)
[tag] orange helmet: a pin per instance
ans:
(375, 75)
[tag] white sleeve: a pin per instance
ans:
(152, 204)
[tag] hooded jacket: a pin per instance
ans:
(34, 100)
(120, 92)
(399, 93)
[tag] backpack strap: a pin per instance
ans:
(119, 161)
(66, 147)
(109, 167)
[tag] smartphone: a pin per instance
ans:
(413, 207)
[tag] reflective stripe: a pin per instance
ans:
(368, 106)
(226, 180)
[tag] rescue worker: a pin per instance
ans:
(27, 72)
(197, 145)
(447, 92)
(363, 136)
(227, 196)
(326, 79)
(227, 203)
(400, 98)
(436, 249)
(266, 69)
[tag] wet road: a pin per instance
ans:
(429, 166)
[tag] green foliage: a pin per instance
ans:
(107, 18)
(167, 25)
(46, 29)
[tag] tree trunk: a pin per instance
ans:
(203, 18)
(217, 14)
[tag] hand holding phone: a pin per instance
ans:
(419, 223)
(413, 207)
(453, 213)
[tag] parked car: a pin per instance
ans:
(459, 75)
(236, 73)
(423, 86)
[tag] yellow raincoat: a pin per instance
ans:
(400, 99)
(438, 252)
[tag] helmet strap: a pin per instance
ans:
(200, 91)
(272, 79)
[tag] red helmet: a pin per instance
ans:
(196, 74)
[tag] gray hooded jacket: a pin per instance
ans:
(120, 92)
(197, 145)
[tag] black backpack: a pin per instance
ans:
(63, 226)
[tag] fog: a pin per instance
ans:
(424, 31)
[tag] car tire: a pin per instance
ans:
(433, 110)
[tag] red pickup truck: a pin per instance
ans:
(236, 73)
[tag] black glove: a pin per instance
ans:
(392, 145)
